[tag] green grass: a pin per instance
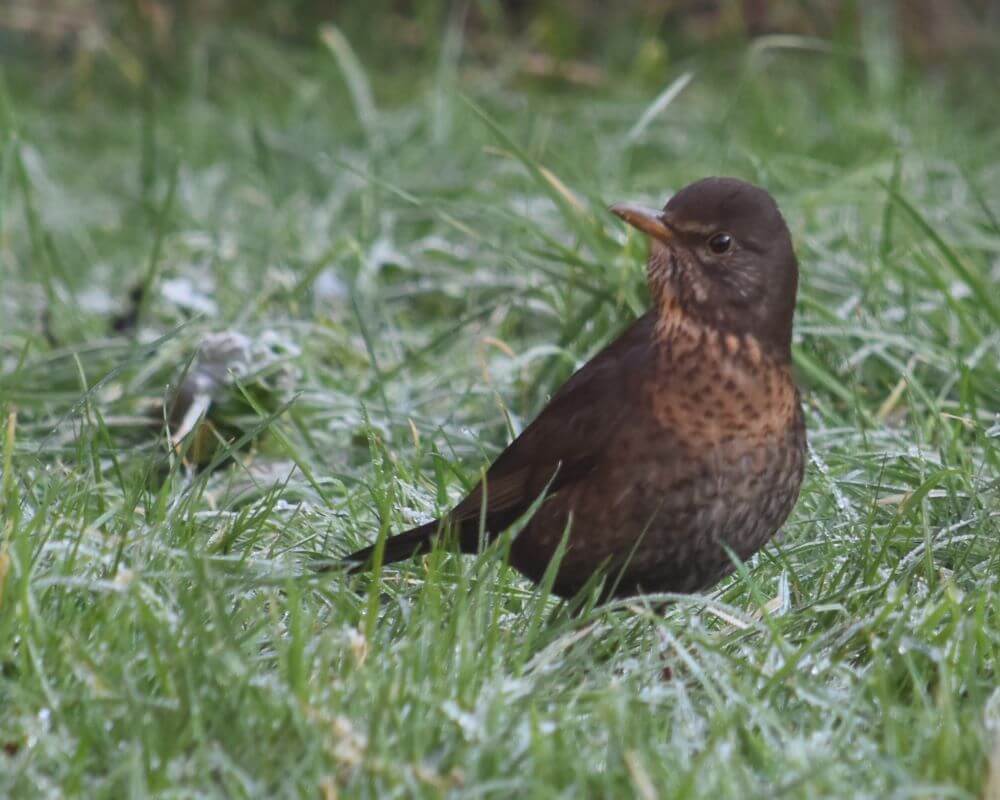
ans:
(418, 257)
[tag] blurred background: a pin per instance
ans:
(560, 40)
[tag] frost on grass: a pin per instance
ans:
(371, 318)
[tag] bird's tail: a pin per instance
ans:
(397, 548)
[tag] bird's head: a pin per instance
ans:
(721, 254)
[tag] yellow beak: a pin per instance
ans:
(647, 220)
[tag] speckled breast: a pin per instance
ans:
(729, 465)
(709, 467)
(732, 505)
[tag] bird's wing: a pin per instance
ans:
(567, 439)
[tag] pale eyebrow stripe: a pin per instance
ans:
(703, 230)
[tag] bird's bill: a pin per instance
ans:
(648, 220)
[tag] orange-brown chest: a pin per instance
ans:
(716, 390)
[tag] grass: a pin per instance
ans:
(417, 258)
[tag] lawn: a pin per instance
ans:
(399, 263)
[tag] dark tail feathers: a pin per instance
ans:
(397, 548)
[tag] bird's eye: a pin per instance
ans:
(721, 243)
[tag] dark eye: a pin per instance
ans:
(721, 243)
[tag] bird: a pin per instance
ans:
(678, 450)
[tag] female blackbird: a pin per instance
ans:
(681, 443)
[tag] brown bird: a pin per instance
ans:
(679, 444)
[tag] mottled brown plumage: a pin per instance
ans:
(680, 442)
